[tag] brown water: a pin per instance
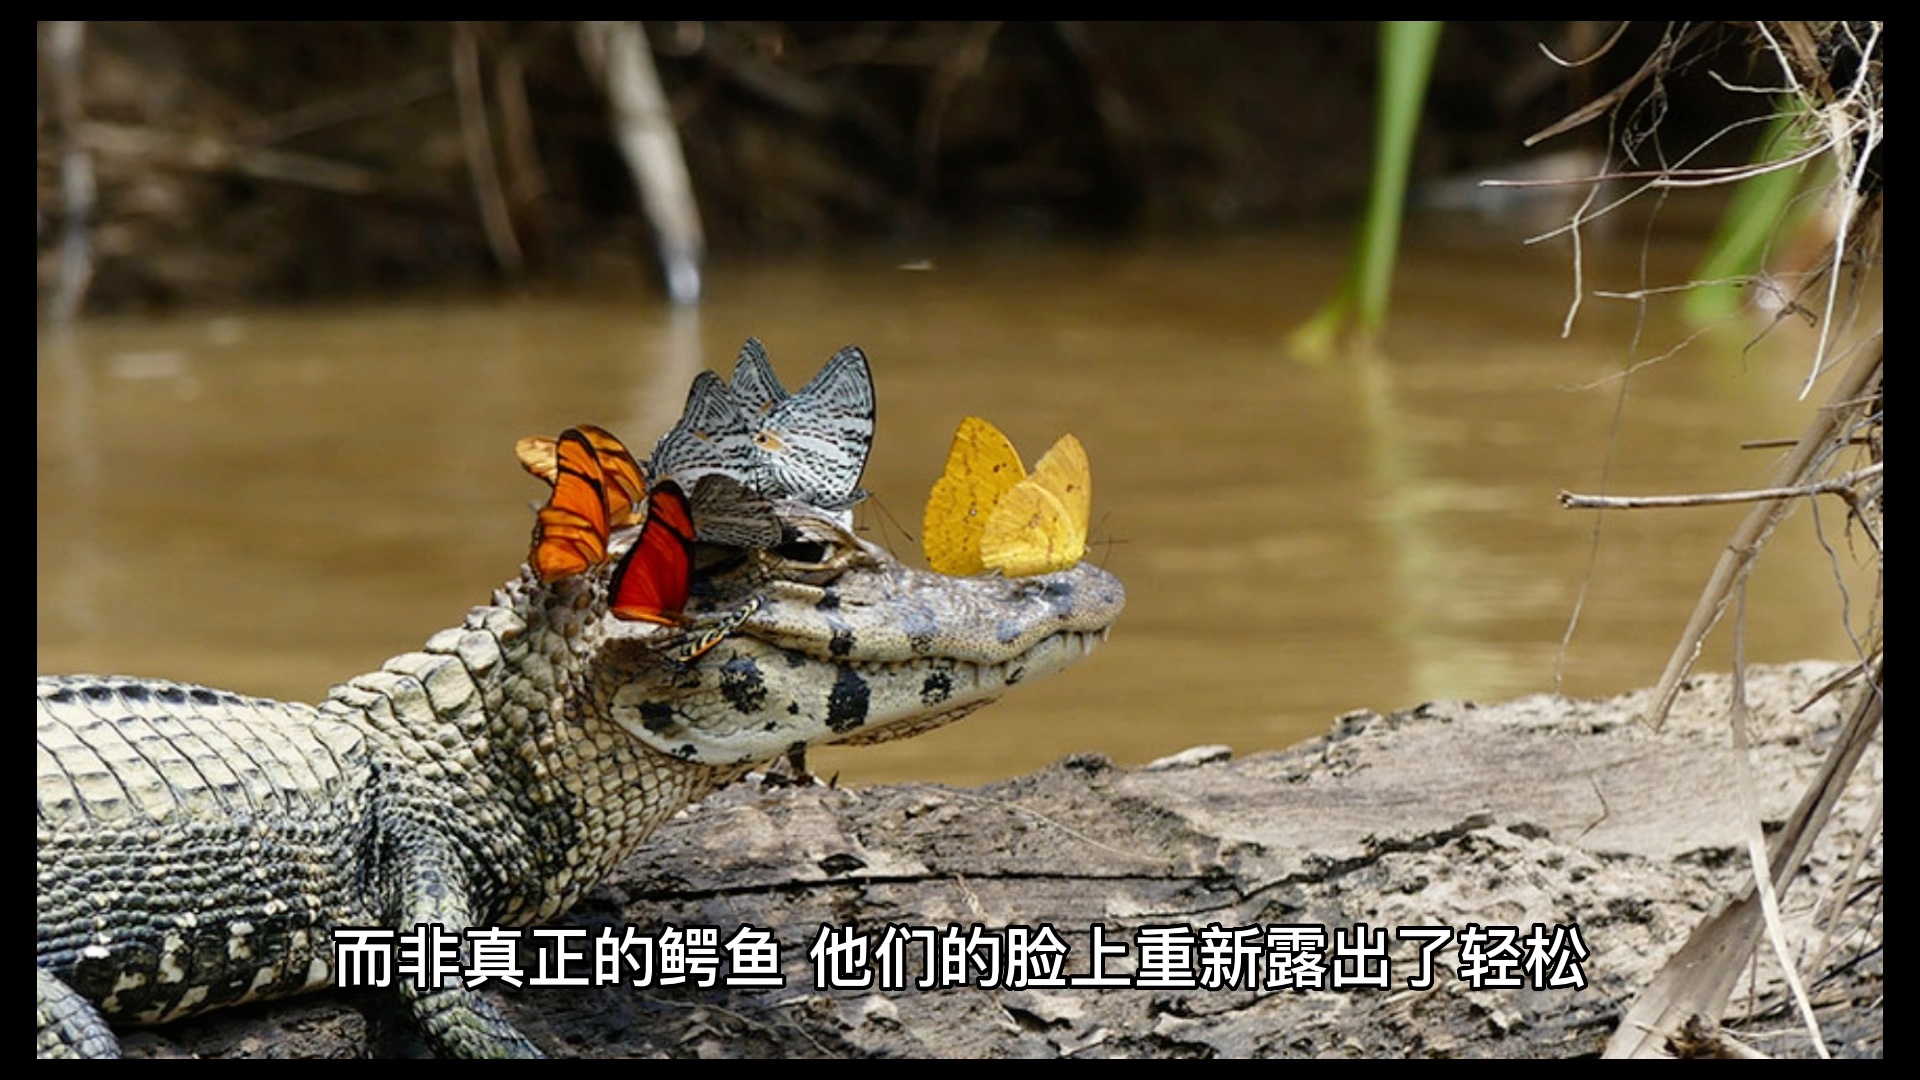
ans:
(271, 502)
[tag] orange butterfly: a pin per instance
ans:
(570, 533)
(625, 481)
(653, 580)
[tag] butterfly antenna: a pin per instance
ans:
(1107, 541)
(893, 523)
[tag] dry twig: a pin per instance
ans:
(477, 136)
(1839, 485)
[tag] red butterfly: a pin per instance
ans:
(653, 580)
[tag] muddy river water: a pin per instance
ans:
(273, 501)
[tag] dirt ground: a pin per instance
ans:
(1453, 815)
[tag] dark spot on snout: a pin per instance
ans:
(841, 644)
(937, 688)
(849, 701)
(829, 601)
(1007, 631)
(1059, 597)
(921, 629)
(742, 686)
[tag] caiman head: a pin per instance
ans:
(830, 639)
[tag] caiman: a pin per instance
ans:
(198, 847)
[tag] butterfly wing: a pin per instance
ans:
(653, 580)
(539, 455)
(728, 512)
(755, 386)
(814, 444)
(1030, 532)
(1064, 470)
(700, 638)
(982, 466)
(570, 532)
(843, 387)
(1041, 524)
(625, 481)
(711, 437)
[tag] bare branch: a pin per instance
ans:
(1605, 48)
(1838, 485)
(65, 42)
(477, 136)
(1598, 106)
(643, 126)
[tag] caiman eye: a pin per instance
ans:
(806, 552)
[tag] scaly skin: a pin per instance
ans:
(196, 847)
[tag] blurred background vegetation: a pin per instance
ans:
(229, 163)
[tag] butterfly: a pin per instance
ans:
(987, 513)
(653, 579)
(598, 487)
(711, 437)
(540, 456)
(570, 532)
(725, 511)
(697, 641)
(710, 453)
(812, 445)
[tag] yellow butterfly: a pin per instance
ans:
(986, 513)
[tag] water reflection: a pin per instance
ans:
(274, 502)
